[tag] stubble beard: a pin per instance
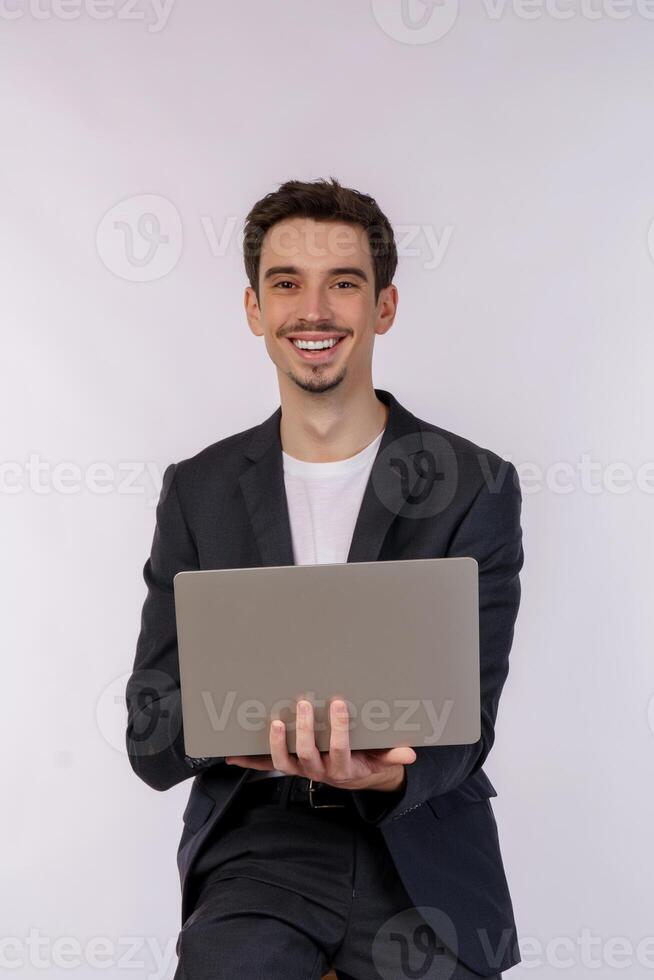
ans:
(316, 383)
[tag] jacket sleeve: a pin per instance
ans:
(155, 736)
(491, 533)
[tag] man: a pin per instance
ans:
(383, 863)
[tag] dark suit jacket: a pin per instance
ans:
(226, 508)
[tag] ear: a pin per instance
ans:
(252, 311)
(386, 309)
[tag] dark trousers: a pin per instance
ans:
(287, 892)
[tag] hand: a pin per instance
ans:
(381, 769)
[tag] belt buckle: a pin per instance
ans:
(321, 806)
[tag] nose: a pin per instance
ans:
(313, 308)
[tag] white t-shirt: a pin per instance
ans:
(324, 500)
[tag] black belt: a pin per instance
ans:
(302, 791)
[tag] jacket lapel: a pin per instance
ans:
(265, 494)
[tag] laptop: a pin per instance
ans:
(398, 640)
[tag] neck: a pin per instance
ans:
(332, 425)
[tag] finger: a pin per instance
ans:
(250, 761)
(399, 756)
(339, 739)
(379, 760)
(279, 750)
(305, 740)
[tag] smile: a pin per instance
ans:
(315, 344)
(319, 351)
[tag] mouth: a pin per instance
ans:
(316, 348)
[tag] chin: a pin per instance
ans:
(318, 384)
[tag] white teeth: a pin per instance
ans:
(315, 344)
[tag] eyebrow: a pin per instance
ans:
(291, 270)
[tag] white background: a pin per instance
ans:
(522, 140)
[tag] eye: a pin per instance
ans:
(344, 282)
(284, 282)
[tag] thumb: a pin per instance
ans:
(401, 756)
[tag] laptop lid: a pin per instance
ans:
(398, 640)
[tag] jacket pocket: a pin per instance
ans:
(475, 789)
(198, 809)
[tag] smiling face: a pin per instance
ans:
(316, 309)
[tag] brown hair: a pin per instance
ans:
(322, 200)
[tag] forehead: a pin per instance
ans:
(311, 244)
